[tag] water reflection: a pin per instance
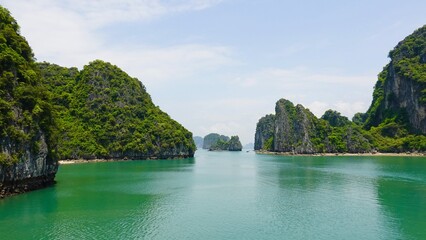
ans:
(401, 192)
(120, 199)
(221, 195)
(332, 197)
(23, 216)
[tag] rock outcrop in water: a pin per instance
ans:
(395, 121)
(216, 142)
(213, 138)
(234, 144)
(105, 113)
(27, 158)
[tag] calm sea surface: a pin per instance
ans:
(227, 195)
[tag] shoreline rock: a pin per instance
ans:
(97, 160)
(10, 188)
(27, 157)
(378, 154)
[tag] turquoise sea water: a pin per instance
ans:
(227, 195)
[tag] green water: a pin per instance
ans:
(227, 195)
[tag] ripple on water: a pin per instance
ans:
(226, 196)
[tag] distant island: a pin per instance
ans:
(217, 142)
(394, 123)
(249, 146)
(198, 141)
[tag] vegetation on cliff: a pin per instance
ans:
(98, 112)
(295, 129)
(217, 142)
(104, 113)
(264, 137)
(213, 138)
(25, 109)
(49, 112)
(395, 121)
(399, 95)
(27, 147)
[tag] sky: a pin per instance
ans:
(220, 65)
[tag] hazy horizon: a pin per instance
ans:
(220, 65)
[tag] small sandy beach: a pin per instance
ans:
(74, 161)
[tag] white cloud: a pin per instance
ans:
(101, 12)
(318, 108)
(53, 31)
(67, 33)
(300, 76)
(347, 109)
(159, 64)
(350, 108)
(316, 91)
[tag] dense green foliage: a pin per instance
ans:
(335, 119)
(264, 138)
(232, 144)
(386, 120)
(359, 118)
(333, 133)
(104, 113)
(409, 56)
(306, 133)
(408, 62)
(25, 109)
(391, 136)
(213, 138)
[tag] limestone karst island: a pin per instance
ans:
(99, 101)
(51, 113)
(395, 122)
(217, 142)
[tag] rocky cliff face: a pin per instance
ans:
(265, 133)
(33, 169)
(402, 94)
(401, 89)
(293, 127)
(27, 161)
(234, 144)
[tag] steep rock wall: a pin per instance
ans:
(292, 128)
(263, 139)
(27, 159)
